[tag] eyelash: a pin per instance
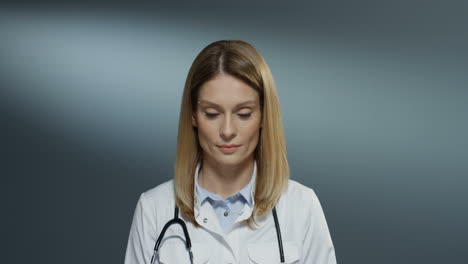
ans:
(211, 115)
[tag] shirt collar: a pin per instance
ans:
(247, 192)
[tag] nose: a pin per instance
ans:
(228, 129)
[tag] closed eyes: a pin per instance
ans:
(214, 115)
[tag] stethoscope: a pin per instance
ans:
(188, 243)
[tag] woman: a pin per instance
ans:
(231, 186)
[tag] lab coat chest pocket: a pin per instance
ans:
(264, 253)
(175, 253)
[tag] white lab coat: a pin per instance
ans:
(305, 234)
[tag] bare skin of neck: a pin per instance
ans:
(225, 180)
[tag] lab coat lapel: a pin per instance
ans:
(204, 213)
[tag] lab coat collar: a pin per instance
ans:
(248, 207)
(245, 192)
(248, 191)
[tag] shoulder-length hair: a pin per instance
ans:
(241, 60)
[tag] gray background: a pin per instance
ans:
(373, 96)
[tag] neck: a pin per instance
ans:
(225, 180)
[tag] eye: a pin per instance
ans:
(211, 115)
(245, 116)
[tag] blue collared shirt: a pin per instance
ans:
(230, 208)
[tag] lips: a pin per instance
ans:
(229, 148)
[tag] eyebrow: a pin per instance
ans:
(236, 106)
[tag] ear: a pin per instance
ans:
(194, 120)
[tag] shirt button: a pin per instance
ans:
(226, 213)
(205, 220)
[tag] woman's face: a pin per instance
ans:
(228, 113)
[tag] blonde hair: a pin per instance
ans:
(241, 60)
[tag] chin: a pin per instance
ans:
(229, 160)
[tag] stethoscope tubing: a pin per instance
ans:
(188, 243)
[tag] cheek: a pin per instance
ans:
(253, 133)
(206, 132)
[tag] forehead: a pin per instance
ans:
(226, 89)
